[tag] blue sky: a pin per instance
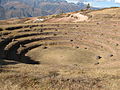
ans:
(100, 3)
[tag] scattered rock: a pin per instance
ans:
(21, 45)
(98, 57)
(41, 30)
(111, 55)
(77, 26)
(41, 25)
(55, 34)
(65, 33)
(117, 44)
(45, 47)
(13, 40)
(56, 30)
(96, 63)
(76, 47)
(75, 65)
(72, 16)
(1, 29)
(101, 46)
(30, 27)
(97, 23)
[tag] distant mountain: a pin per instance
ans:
(33, 8)
(2, 13)
(83, 6)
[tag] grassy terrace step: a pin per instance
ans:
(32, 36)
(14, 27)
(45, 30)
(35, 34)
(24, 50)
(23, 35)
(20, 36)
(44, 43)
(38, 32)
(15, 45)
(9, 38)
(32, 39)
(42, 26)
(40, 29)
(96, 46)
(28, 34)
(106, 39)
(19, 26)
(11, 49)
(4, 33)
(36, 28)
(99, 46)
(22, 30)
(47, 42)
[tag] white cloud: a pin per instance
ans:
(76, 0)
(103, 0)
(117, 1)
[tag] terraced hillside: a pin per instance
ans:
(60, 56)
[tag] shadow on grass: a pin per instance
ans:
(7, 62)
(15, 59)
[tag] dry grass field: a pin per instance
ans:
(63, 55)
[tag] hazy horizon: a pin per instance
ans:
(99, 3)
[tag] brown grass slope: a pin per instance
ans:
(80, 55)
